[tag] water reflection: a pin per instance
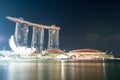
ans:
(58, 70)
(104, 72)
(85, 71)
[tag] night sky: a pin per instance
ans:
(83, 23)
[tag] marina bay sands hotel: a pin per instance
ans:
(37, 39)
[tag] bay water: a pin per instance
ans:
(59, 70)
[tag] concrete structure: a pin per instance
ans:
(38, 38)
(53, 42)
(21, 34)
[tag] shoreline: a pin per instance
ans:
(55, 59)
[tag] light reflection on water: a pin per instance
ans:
(59, 70)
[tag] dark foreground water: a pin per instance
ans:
(59, 70)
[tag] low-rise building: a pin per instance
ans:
(86, 54)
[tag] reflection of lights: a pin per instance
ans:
(17, 71)
(11, 68)
(62, 70)
(104, 72)
(83, 70)
(73, 71)
(4, 71)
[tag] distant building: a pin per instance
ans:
(19, 41)
(86, 54)
(55, 51)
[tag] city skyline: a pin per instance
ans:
(84, 24)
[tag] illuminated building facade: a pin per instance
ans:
(21, 34)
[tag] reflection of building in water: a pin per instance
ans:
(21, 34)
(87, 71)
(57, 70)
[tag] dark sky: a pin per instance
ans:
(83, 23)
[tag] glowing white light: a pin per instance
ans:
(20, 50)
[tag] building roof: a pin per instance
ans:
(86, 50)
(55, 51)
